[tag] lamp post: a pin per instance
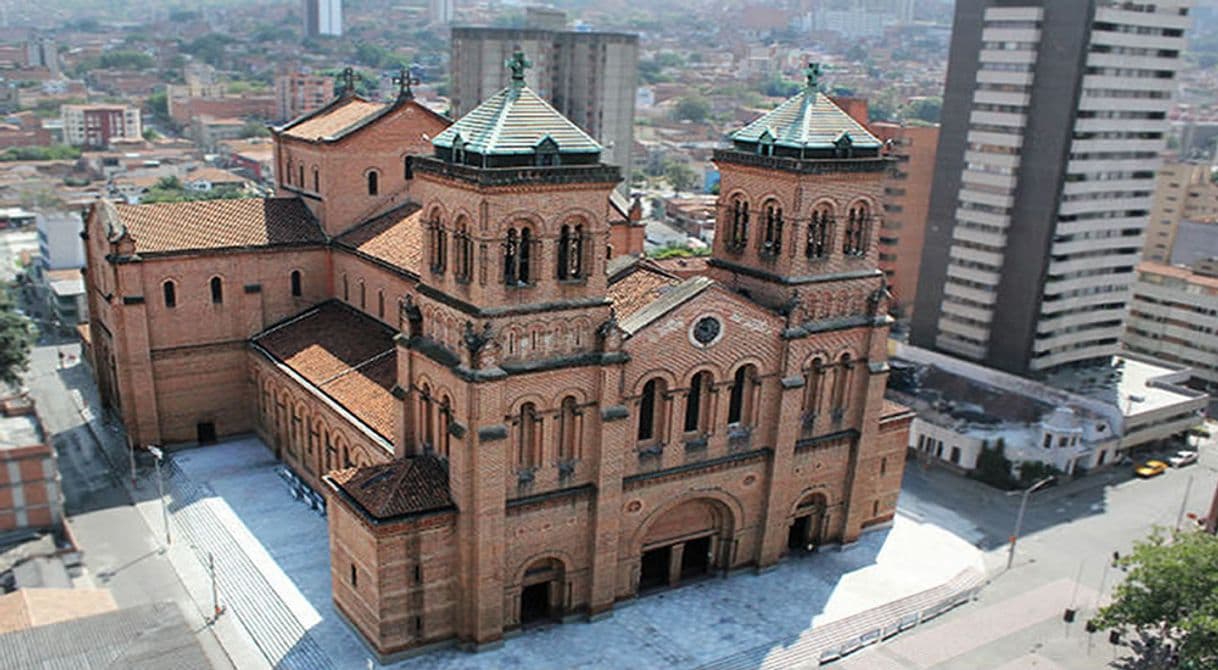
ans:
(1023, 504)
(157, 454)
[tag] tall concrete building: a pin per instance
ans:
(591, 77)
(323, 17)
(1185, 196)
(906, 201)
(441, 11)
(1053, 123)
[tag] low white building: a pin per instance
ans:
(1077, 420)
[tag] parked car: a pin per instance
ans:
(1150, 469)
(1183, 458)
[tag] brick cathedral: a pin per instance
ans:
(446, 328)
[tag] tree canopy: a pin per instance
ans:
(16, 337)
(1170, 595)
(692, 108)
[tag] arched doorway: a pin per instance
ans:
(684, 543)
(807, 524)
(542, 591)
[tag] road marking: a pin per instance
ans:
(976, 629)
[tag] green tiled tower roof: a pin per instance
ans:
(810, 120)
(516, 121)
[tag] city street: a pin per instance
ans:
(1063, 560)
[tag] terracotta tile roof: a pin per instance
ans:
(331, 121)
(639, 287)
(346, 355)
(684, 267)
(395, 238)
(398, 488)
(218, 224)
(214, 175)
(26, 608)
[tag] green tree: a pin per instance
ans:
(1170, 596)
(126, 59)
(681, 176)
(993, 467)
(16, 338)
(254, 129)
(693, 108)
(777, 87)
(55, 152)
(925, 109)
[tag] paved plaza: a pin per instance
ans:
(682, 628)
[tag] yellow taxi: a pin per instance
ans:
(1150, 469)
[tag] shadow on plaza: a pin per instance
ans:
(992, 513)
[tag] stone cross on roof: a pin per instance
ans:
(518, 64)
(349, 76)
(813, 74)
(404, 79)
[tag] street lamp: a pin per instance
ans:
(160, 488)
(1023, 504)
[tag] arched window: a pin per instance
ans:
(841, 386)
(568, 429)
(738, 236)
(820, 232)
(380, 303)
(316, 181)
(445, 416)
(571, 252)
(300, 174)
(408, 167)
(217, 291)
(294, 280)
(517, 250)
(346, 289)
(363, 295)
(814, 380)
(696, 402)
(287, 173)
(374, 182)
(771, 243)
(740, 404)
(438, 243)
(854, 240)
(528, 447)
(464, 251)
(427, 437)
(170, 291)
(649, 406)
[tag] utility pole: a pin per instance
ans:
(1019, 519)
(160, 489)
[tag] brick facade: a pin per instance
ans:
(538, 448)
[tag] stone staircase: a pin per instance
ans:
(244, 590)
(836, 639)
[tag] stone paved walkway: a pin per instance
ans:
(683, 628)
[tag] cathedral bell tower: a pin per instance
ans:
(799, 204)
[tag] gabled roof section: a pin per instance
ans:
(395, 238)
(212, 224)
(516, 121)
(333, 121)
(810, 120)
(343, 353)
(397, 489)
(669, 299)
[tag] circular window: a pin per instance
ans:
(707, 330)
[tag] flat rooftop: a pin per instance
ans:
(18, 432)
(1132, 385)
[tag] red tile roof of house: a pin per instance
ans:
(346, 355)
(219, 224)
(398, 488)
(395, 238)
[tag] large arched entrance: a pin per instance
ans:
(807, 524)
(684, 543)
(541, 592)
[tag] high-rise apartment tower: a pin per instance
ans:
(590, 77)
(323, 17)
(1053, 123)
